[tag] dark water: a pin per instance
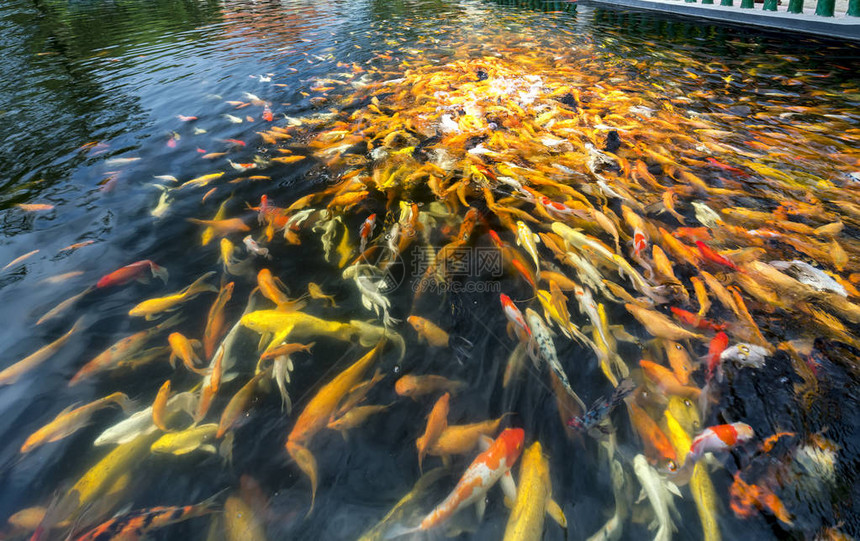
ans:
(85, 83)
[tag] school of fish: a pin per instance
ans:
(618, 233)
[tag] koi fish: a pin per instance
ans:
(120, 350)
(515, 318)
(152, 308)
(679, 360)
(534, 498)
(71, 419)
(665, 380)
(12, 373)
(659, 325)
(317, 413)
(659, 493)
(528, 240)
(694, 320)
(255, 248)
(417, 386)
(366, 231)
(714, 257)
(182, 348)
(657, 447)
(34, 207)
(437, 422)
(541, 341)
(429, 332)
(134, 271)
(602, 407)
(719, 438)
(186, 441)
(215, 321)
(136, 524)
(484, 472)
(745, 355)
(316, 292)
(718, 344)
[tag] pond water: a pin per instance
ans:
(503, 196)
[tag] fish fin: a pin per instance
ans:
(172, 360)
(642, 495)
(509, 488)
(200, 286)
(480, 508)
(345, 435)
(128, 405)
(226, 447)
(673, 488)
(68, 409)
(399, 530)
(555, 512)
(485, 442)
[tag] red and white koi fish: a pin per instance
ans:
(720, 438)
(366, 230)
(640, 242)
(515, 317)
(557, 210)
(487, 469)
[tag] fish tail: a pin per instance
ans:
(399, 530)
(170, 322)
(159, 272)
(78, 326)
(200, 286)
(624, 388)
(210, 504)
(308, 464)
(128, 405)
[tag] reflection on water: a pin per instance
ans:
(419, 133)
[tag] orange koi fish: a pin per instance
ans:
(318, 411)
(666, 380)
(718, 344)
(694, 320)
(657, 446)
(437, 422)
(215, 322)
(416, 386)
(182, 348)
(714, 257)
(131, 272)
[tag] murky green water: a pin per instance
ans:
(90, 117)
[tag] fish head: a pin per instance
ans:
(512, 440)
(745, 432)
(404, 386)
(416, 322)
(495, 238)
